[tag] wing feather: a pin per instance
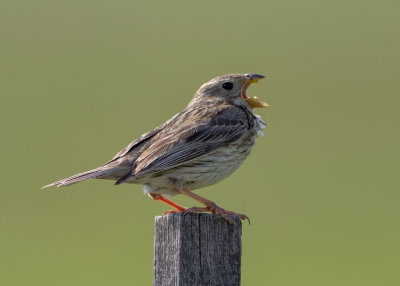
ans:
(136, 145)
(194, 136)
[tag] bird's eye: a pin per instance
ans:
(227, 85)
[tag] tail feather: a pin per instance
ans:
(95, 173)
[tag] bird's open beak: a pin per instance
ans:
(252, 101)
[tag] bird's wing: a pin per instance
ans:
(139, 142)
(193, 134)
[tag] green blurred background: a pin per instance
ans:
(81, 79)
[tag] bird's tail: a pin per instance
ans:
(101, 172)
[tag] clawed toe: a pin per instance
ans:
(214, 209)
(224, 214)
(243, 217)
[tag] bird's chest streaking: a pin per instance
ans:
(210, 168)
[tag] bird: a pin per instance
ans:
(200, 146)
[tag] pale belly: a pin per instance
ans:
(201, 172)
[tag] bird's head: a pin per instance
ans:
(231, 89)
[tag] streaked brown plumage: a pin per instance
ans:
(198, 147)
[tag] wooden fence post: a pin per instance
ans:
(196, 249)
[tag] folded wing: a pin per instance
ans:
(196, 134)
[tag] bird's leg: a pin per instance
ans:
(166, 201)
(210, 206)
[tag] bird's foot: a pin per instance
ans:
(218, 210)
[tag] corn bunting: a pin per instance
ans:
(198, 147)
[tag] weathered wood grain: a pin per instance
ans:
(196, 249)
